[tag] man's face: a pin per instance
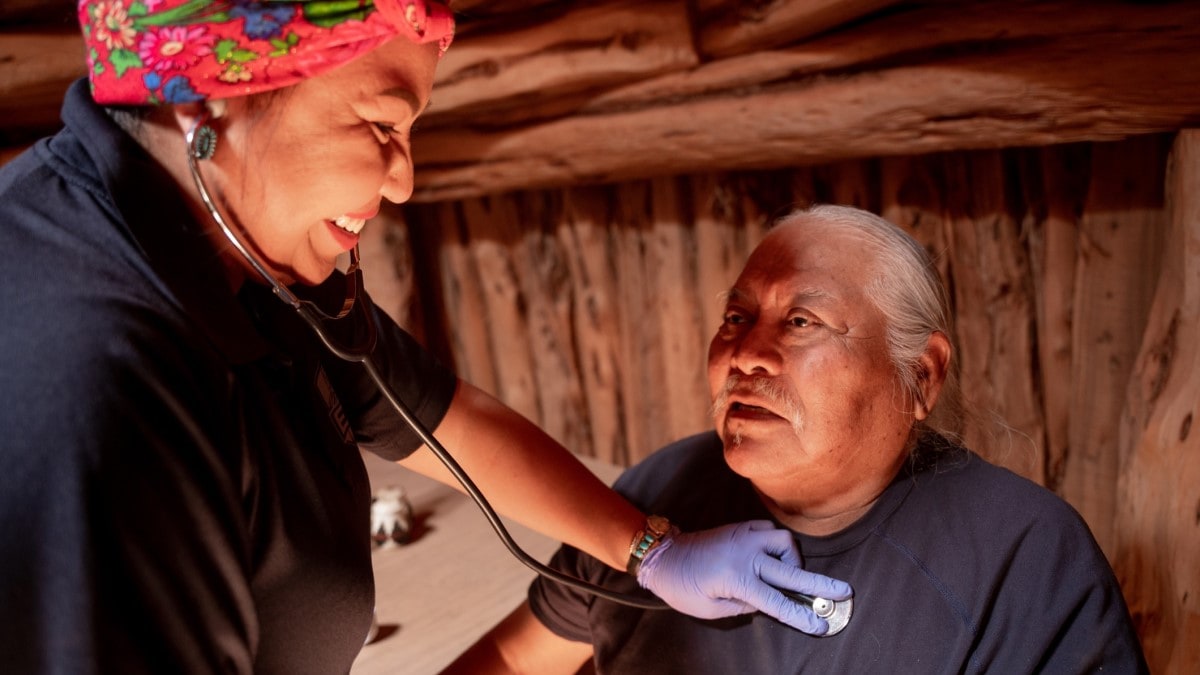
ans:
(805, 395)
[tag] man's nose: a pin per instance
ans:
(756, 351)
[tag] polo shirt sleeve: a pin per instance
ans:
(561, 608)
(424, 384)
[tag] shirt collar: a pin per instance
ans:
(178, 248)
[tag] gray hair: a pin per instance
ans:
(907, 290)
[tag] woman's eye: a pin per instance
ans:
(799, 322)
(734, 318)
(384, 131)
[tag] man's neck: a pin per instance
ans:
(819, 522)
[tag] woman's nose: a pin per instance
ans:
(398, 182)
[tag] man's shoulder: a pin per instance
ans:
(961, 480)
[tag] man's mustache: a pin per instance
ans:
(778, 396)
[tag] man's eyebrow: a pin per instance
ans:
(405, 94)
(732, 295)
(810, 294)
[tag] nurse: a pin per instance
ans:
(181, 488)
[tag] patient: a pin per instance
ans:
(824, 377)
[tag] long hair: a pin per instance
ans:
(908, 292)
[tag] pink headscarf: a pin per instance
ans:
(178, 51)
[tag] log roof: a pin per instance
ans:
(544, 93)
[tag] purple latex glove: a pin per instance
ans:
(737, 569)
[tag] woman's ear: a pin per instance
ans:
(186, 114)
(202, 118)
(933, 365)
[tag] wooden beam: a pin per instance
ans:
(1092, 91)
(35, 70)
(738, 28)
(593, 47)
(922, 35)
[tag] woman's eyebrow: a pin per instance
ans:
(405, 94)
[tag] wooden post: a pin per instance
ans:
(1116, 271)
(1157, 514)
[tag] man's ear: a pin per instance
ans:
(933, 365)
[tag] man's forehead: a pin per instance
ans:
(795, 295)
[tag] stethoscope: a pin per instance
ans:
(315, 317)
(836, 614)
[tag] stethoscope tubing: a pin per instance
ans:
(363, 356)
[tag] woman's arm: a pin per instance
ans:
(526, 475)
(521, 645)
(530, 477)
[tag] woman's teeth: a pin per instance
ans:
(352, 225)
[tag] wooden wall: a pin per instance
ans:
(590, 309)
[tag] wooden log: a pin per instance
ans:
(388, 271)
(737, 28)
(912, 35)
(541, 268)
(591, 47)
(1117, 270)
(36, 68)
(1158, 489)
(1054, 241)
(36, 12)
(466, 311)
(587, 242)
(468, 12)
(493, 229)
(721, 247)
(642, 377)
(1093, 92)
(994, 314)
(671, 259)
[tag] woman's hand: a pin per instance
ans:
(737, 569)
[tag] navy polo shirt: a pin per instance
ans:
(181, 488)
(960, 566)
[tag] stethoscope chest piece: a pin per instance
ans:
(836, 613)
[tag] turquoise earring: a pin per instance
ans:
(204, 142)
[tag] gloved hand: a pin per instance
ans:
(737, 569)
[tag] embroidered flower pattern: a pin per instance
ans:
(174, 51)
(263, 23)
(113, 28)
(174, 48)
(235, 73)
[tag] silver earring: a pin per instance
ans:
(204, 142)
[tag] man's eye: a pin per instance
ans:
(799, 321)
(734, 318)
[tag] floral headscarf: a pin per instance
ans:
(178, 51)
